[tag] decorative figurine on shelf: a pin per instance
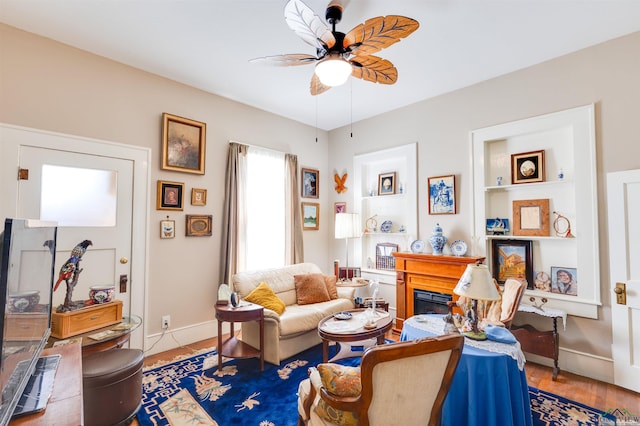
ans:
(499, 181)
(562, 226)
(69, 273)
(560, 174)
(437, 240)
(371, 224)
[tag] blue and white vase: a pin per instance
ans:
(437, 240)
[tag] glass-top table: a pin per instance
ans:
(102, 339)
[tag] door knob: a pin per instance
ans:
(124, 260)
(621, 293)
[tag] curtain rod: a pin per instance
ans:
(260, 147)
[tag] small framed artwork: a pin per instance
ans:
(167, 229)
(198, 197)
(199, 225)
(387, 183)
(340, 207)
(442, 194)
(497, 226)
(512, 259)
(310, 181)
(310, 216)
(527, 167)
(531, 217)
(183, 144)
(170, 195)
(564, 280)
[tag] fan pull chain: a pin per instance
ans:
(351, 106)
(316, 119)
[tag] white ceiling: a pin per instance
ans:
(207, 44)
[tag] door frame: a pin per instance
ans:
(12, 137)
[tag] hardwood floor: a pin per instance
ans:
(593, 393)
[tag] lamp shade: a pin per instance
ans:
(476, 283)
(348, 225)
(333, 71)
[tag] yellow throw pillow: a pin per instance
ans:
(264, 296)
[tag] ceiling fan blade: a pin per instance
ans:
(374, 69)
(286, 60)
(377, 33)
(308, 26)
(316, 87)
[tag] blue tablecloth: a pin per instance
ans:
(487, 389)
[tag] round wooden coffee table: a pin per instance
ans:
(331, 329)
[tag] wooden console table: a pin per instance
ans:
(425, 272)
(65, 404)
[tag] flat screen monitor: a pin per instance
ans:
(27, 261)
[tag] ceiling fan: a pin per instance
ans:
(339, 55)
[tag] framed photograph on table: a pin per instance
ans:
(442, 194)
(183, 144)
(310, 181)
(564, 280)
(169, 195)
(527, 167)
(199, 225)
(387, 183)
(531, 217)
(310, 216)
(512, 259)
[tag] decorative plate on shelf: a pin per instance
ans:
(386, 226)
(418, 246)
(458, 248)
(342, 315)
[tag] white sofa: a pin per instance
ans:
(297, 328)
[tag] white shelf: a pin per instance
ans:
(520, 237)
(364, 234)
(523, 186)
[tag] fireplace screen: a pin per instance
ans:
(430, 302)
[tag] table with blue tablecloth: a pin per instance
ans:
(489, 386)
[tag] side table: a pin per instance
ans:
(233, 347)
(544, 343)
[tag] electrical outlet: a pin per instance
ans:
(166, 321)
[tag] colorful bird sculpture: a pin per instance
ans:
(69, 268)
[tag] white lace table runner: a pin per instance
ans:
(355, 323)
(547, 312)
(434, 324)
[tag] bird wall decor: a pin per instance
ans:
(69, 273)
(340, 181)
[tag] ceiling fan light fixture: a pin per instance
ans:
(333, 71)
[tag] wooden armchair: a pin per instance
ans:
(402, 383)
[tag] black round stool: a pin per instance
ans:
(112, 386)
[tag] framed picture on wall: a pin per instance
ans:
(310, 179)
(512, 259)
(183, 144)
(167, 229)
(564, 280)
(442, 194)
(531, 217)
(199, 225)
(310, 216)
(198, 197)
(169, 195)
(527, 167)
(340, 207)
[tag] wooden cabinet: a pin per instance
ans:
(426, 272)
(66, 324)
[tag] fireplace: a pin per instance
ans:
(430, 302)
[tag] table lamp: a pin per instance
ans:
(476, 284)
(347, 226)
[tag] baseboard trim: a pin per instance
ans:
(581, 363)
(174, 338)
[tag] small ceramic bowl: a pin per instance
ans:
(102, 293)
(23, 301)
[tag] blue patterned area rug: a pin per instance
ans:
(193, 392)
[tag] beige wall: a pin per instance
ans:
(49, 86)
(607, 75)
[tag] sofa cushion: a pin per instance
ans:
(302, 318)
(264, 296)
(310, 288)
(340, 380)
(330, 282)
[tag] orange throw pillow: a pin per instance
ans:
(310, 288)
(330, 282)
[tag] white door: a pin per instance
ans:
(98, 197)
(623, 190)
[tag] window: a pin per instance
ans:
(265, 209)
